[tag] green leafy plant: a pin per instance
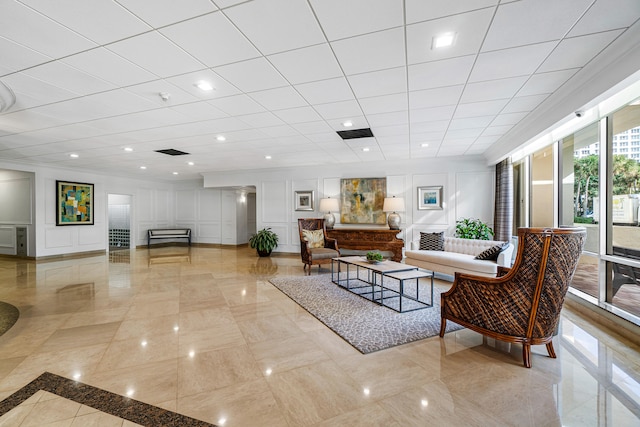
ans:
(374, 256)
(470, 228)
(264, 241)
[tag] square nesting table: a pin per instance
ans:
(387, 283)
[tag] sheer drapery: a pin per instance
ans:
(503, 215)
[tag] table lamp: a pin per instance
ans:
(329, 205)
(394, 205)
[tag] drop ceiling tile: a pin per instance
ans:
(431, 138)
(110, 67)
(358, 122)
(388, 119)
(237, 105)
(307, 64)
(418, 115)
(445, 72)
(508, 119)
(33, 92)
(435, 97)
(468, 135)
(325, 91)
(340, 19)
(279, 131)
(122, 101)
(376, 83)
(395, 130)
(470, 123)
(523, 104)
(469, 29)
(212, 39)
(277, 25)
(385, 104)
(163, 12)
(578, 51)
(156, 54)
(298, 115)
(261, 120)
(477, 109)
(279, 98)
(16, 57)
(371, 52)
(68, 78)
(546, 82)
(430, 127)
(336, 110)
(252, 75)
(95, 19)
(531, 22)
(496, 130)
(311, 128)
(618, 13)
(32, 29)
(420, 10)
(151, 92)
(493, 89)
(187, 82)
(520, 61)
(325, 137)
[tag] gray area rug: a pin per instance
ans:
(9, 315)
(365, 325)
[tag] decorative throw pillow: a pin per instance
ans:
(493, 252)
(314, 238)
(432, 241)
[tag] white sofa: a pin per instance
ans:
(458, 255)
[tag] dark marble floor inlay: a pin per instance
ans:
(102, 400)
(8, 316)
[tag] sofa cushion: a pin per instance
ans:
(314, 238)
(432, 241)
(455, 260)
(493, 252)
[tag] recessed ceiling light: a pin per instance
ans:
(267, 157)
(443, 40)
(143, 167)
(347, 124)
(190, 163)
(175, 173)
(365, 149)
(424, 145)
(128, 149)
(74, 155)
(221, 138)
(204, 85)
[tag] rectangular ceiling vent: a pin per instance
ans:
(356, 133)
(171, 152)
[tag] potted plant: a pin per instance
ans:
(264, 241)
(469, 228)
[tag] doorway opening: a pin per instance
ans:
(119, 206)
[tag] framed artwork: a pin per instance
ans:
(430, 197)
(304, 200)
(74, 203)
(362, 199)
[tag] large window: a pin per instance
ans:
(542, 184)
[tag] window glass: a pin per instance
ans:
(542, 188)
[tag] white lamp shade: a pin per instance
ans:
(393, 204)
(329, 205)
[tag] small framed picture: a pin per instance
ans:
(304, 200)
(430, 197)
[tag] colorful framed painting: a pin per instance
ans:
(362, 200)
(74, 203)
(430, 197)
(304, 200)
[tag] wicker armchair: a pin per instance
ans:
(523, 304)
(319, 255)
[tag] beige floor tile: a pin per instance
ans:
(269, 328)
(281, 355)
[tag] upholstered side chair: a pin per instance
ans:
(316, 248)
(523, 304)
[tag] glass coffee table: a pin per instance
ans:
(388, 283)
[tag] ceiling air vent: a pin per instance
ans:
(171, 152)
(356, 133)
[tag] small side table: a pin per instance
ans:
(402, 277)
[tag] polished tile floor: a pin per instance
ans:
(201, 332)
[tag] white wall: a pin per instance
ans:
(468, 185)
(16, 209)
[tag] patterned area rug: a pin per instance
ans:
(366, 326)
(9, 315)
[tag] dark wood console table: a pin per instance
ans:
(368, 239)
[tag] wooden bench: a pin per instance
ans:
(168, 233)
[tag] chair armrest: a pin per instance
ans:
(503, 271)
(331, 243)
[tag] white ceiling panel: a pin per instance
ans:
(325, 91)
(435, 97)
(446, 72)
(470, 123)
(521, 104)
(32, 92)
(385, 104)
(336, 110)
(307, 64)
(277, 25)
(576, 52)
(122, 101)
(279, 98)
(342, 19)
(159, 13)
(378, 83)
(151, 92)
(388, 119)
(371, 52)
(313, 128)
(298, 115)
(237, 105)
(221, 87)
(607, 15)
(418, 115)
(110, 67)
(493, 89)
(529, 22)
(212, 39)
(68, 78)
(16, 57)
(252, 75)
(156, 54)
(94, 19)
(546, 82)
(469, 29)
(520, 61)
(420, 10)
(261, 120)
(477, 109)
(508, 119)
(200, 111)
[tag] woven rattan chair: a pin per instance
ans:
(523, 304)
(316, 256)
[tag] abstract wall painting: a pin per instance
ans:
(74, 203)
(362, 200)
